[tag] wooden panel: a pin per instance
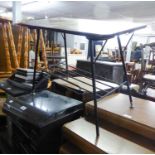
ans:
(83, 135)
(115, 108)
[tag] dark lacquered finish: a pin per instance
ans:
(41, 108)
(15, 87)
(35, 121)
(12, 90)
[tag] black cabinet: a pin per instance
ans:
(36, 120)
(109, 70)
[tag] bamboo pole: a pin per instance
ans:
(43, 49)
(19, 46)
(26, 39)
(6, 46)
(14, 54)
